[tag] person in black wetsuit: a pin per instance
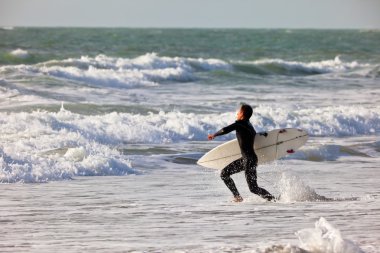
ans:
(245, 134)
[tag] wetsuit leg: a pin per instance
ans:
(232, 168)
(251, 177)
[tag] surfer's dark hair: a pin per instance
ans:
(247, 110)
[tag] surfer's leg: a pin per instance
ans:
(251, 177)
(232, 168)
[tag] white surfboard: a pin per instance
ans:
(268, 146)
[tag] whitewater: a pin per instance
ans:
(99, 140)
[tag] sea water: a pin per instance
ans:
(100, 131)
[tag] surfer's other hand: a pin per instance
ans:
(211, 137)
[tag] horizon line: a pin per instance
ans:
(189, 27)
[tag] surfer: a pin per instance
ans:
(245, 134)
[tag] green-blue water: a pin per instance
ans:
(231, 44)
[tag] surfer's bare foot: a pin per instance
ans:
(270, 198)
(237, 199)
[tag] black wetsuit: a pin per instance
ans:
(245, 134)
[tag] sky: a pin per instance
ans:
(324, 14)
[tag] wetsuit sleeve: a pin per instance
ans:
(226, 130)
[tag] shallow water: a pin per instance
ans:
(187, 208)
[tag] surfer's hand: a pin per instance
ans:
(211, 137)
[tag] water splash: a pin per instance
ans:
(293, 189)
(325, 238)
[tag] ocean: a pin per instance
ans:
(101, 128)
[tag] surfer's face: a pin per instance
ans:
(239, 114)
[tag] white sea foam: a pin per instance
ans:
(20, 53)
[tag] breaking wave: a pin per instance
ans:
(146, 70)
(41, 147)
(71, 144)
(151, 69)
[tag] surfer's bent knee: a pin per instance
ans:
(224, 175)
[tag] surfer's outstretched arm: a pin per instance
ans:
(223, 131)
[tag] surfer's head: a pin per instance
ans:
(245, 112)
